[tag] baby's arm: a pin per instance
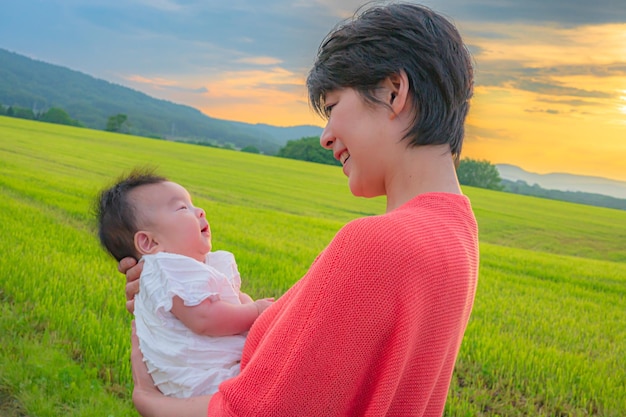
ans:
(219, 318)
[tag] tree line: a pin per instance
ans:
(116, 123)
(52, 115)
(471, 172)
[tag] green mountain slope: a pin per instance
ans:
(37, 85)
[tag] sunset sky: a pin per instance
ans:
(550, 92)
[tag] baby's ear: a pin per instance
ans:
(145, 243)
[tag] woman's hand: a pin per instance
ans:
(147, 398)
(132, 269)
(144, 387)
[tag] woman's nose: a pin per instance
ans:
(326, 138)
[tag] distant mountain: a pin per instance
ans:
(283, 134)
(37, 85)
(565, 182)
(289, 133)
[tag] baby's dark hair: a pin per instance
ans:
(115, 214)
(381, 41)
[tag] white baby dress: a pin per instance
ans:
(182, 363)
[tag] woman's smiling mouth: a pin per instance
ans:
(344, 156)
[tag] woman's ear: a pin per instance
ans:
(145, 243)
(397, 95)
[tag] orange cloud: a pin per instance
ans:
(552, 99)
(273, 96)
(549, 45)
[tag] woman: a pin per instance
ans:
(374, 327)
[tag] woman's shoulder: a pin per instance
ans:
(425, 208)
(420, 221)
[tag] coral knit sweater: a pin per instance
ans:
(373, 328)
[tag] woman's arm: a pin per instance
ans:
(150, 402)
(219, 318)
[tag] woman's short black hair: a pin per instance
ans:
(382, 41)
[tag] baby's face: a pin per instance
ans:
(165, 212)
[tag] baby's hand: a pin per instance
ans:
(263, 303)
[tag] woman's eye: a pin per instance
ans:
(328, 109)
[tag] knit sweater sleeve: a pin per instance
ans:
(336, 340)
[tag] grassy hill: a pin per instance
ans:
(547, 336)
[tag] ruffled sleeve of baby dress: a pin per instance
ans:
(193, 281)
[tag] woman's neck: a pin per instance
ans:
(420, 170)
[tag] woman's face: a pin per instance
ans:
(356, 132)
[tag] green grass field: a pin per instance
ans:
(547, 336)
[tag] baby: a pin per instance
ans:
(190, 315)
